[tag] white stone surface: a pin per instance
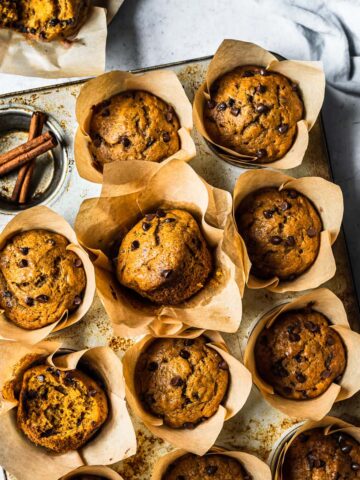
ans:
(151, 32)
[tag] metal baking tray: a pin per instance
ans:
(258, 427)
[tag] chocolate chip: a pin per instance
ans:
(48, 433)
(223, 365)
(278, 370)
(150, 216)
(125, 141)
(29, 301)
(92, 393)
(325, 374)
(169, 117)
(176, 381)
(189, 425)
(31, 395)
(231, 102)
(261, 108)
(170, 220)
(7, 294)
(211, 469)
(97, 142)
(293, 193)
(301, 378)
(235, 111)
(222, 106)
(152, 367)
(23, 263)
(341, 438)
(287, 390)
(146, 226)
(166, 273)
(24, 250)
(53, 22)
(77, 263)
(77, 300)
(294, 87)
(285, 206)
(70, 21)
(188, 342)
(160, 213)
(248, 73)
(298, 357)
(185, 354)
(149, 399)
(105, 113)
(328, 360)
(311, 326)
(290, 241)
(42, 298)
(346, 448)
(33, 30)
(261, 89)
(264, 72)
(135, 245)
(275, 240)
(294, 337)
(262, 153)
(166, 137)
(311, 232)
(283, 128)
(330, 341)
(355, 466)
(41, 378)
(211, 104)
(150, 142)
(268, 213)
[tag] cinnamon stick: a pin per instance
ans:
(36, 126)
(26, 157)
(24, 148)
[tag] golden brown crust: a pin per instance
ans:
(45, 20)
(315, 456)
(133, 125)
(60, 410)
(208, 467)
(182, 381)
(300, 355)
(281, 230)
(39, 279)
(164, 257)
(254, 111)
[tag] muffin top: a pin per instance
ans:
(60, 410)
(133, 125)
(164, 257)
(300, 355)
(44, 19)
(281, 230)
(182, 381)
(316, 456)
(39, 279)
(208, 467)
(254, 111)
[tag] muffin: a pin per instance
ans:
(281, 230)
(182, 381)
(164, 257)
(40, 279)
(316, 456)
(254, 111)
(300, 355)
(208, 467)
(44, 19)
(60, 410)
(133, 125)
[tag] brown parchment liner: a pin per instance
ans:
(202, 437)
(257, 469)
(42, 217)
(329, 424)
(97, 470)
(328, 201)
(324, 301)
(162, 83)
(308, 75)
(115, 440)
(132, 189)
(80, 56)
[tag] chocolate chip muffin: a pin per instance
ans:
(316, 456)
(60, 410)
(281, 230)
(254, 111)
(208, 467)
(182, 381)
(45, 20)
(133, 125)
(40, 279)
(164, 257)
(300, 355)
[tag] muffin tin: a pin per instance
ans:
(258, 426)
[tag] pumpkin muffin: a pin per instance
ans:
(316, 456)
(133, 125)
(254, 111)
(182, 381)
(164, 257)
(60, 410)
(300, 355)
(45, 20)
(40, 280)
(281, 230)
(208, 467)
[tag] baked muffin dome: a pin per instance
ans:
(182, 381)
(164, 257)
(60, 410)
(208, 467)
(316, 456)
(44, 19)
(254, 111)
(133, 125)
(39, 279)
(281, 230)
(300, 355)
